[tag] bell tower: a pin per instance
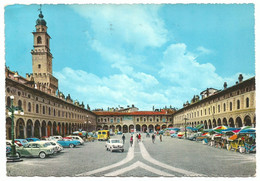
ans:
(42, 57)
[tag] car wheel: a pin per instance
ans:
(122, 150)
(18, 154)
(42, 155)
(71, 146)
(107, 149)
(111, 149)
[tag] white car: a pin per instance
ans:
(48, 143)
(58, 148)
(114, 144)
(74, 137)
(54, 138)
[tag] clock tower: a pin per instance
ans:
(42, 57)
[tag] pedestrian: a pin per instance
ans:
(123, 138)
(160, 137)
(153, 138)
(139, 137)
(131, 140)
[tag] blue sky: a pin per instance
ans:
(146, 55)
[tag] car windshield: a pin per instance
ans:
(103, 132)
(46, 144)
(115, 141)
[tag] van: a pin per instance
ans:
(103, 135)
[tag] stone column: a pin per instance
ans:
(32, 131)
(25, 131)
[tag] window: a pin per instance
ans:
(54, 113)
(209, 110)
(37, 108)
(43, 110)
(19, 93)
(49, 111)
(224, 106)
(8, 101)
(205, 111)
(230, 108)
(238, 104)
(8, 89)
(157, 120)
(144, 119)
(151, 119)
(218, 108)
(47, 42)
(247, 102)
(39, 66)
(29, 107)
(137, 119)
(39, 40)
(214, 109)
(20, 103)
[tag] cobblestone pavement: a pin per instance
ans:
(170, 158)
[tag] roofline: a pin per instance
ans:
(217, 94)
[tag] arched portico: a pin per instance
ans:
(20, 128)
(144, 128)
(247, 121)
(8, 125)
(29, 128)
(238, 122)
(125, 129)
(138, 127)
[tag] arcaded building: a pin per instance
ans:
(233, 106)
(46, 110)
(137, 120)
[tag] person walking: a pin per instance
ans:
(160, 137)
(139, 137)
(153, 138)
(123, 138)
(131, 140)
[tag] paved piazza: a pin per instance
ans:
(170, 158)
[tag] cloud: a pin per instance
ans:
(125, 25)
(187, 76)
(112, 90)
(203, 51)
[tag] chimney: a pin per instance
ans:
(225, 85)
(240, 78)
(16, 76)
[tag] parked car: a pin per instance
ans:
(58, 146)
(114, 144)
(52, 144)
(55, 138)
(32, 139)
(35, 149)
(21, 141)
(76, 138)
(8, 146)
(68, 143)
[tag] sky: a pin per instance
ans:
(146, 55)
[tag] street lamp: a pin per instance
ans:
(12, 110)
(185, 119)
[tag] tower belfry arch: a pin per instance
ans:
(42, 57)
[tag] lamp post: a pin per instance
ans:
(12, 110)
(185, 119)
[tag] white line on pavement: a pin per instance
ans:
(147, 157)
(135, 165)
(129, 157)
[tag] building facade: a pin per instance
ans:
(234, 107)
(46, 111)
(134, 121)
